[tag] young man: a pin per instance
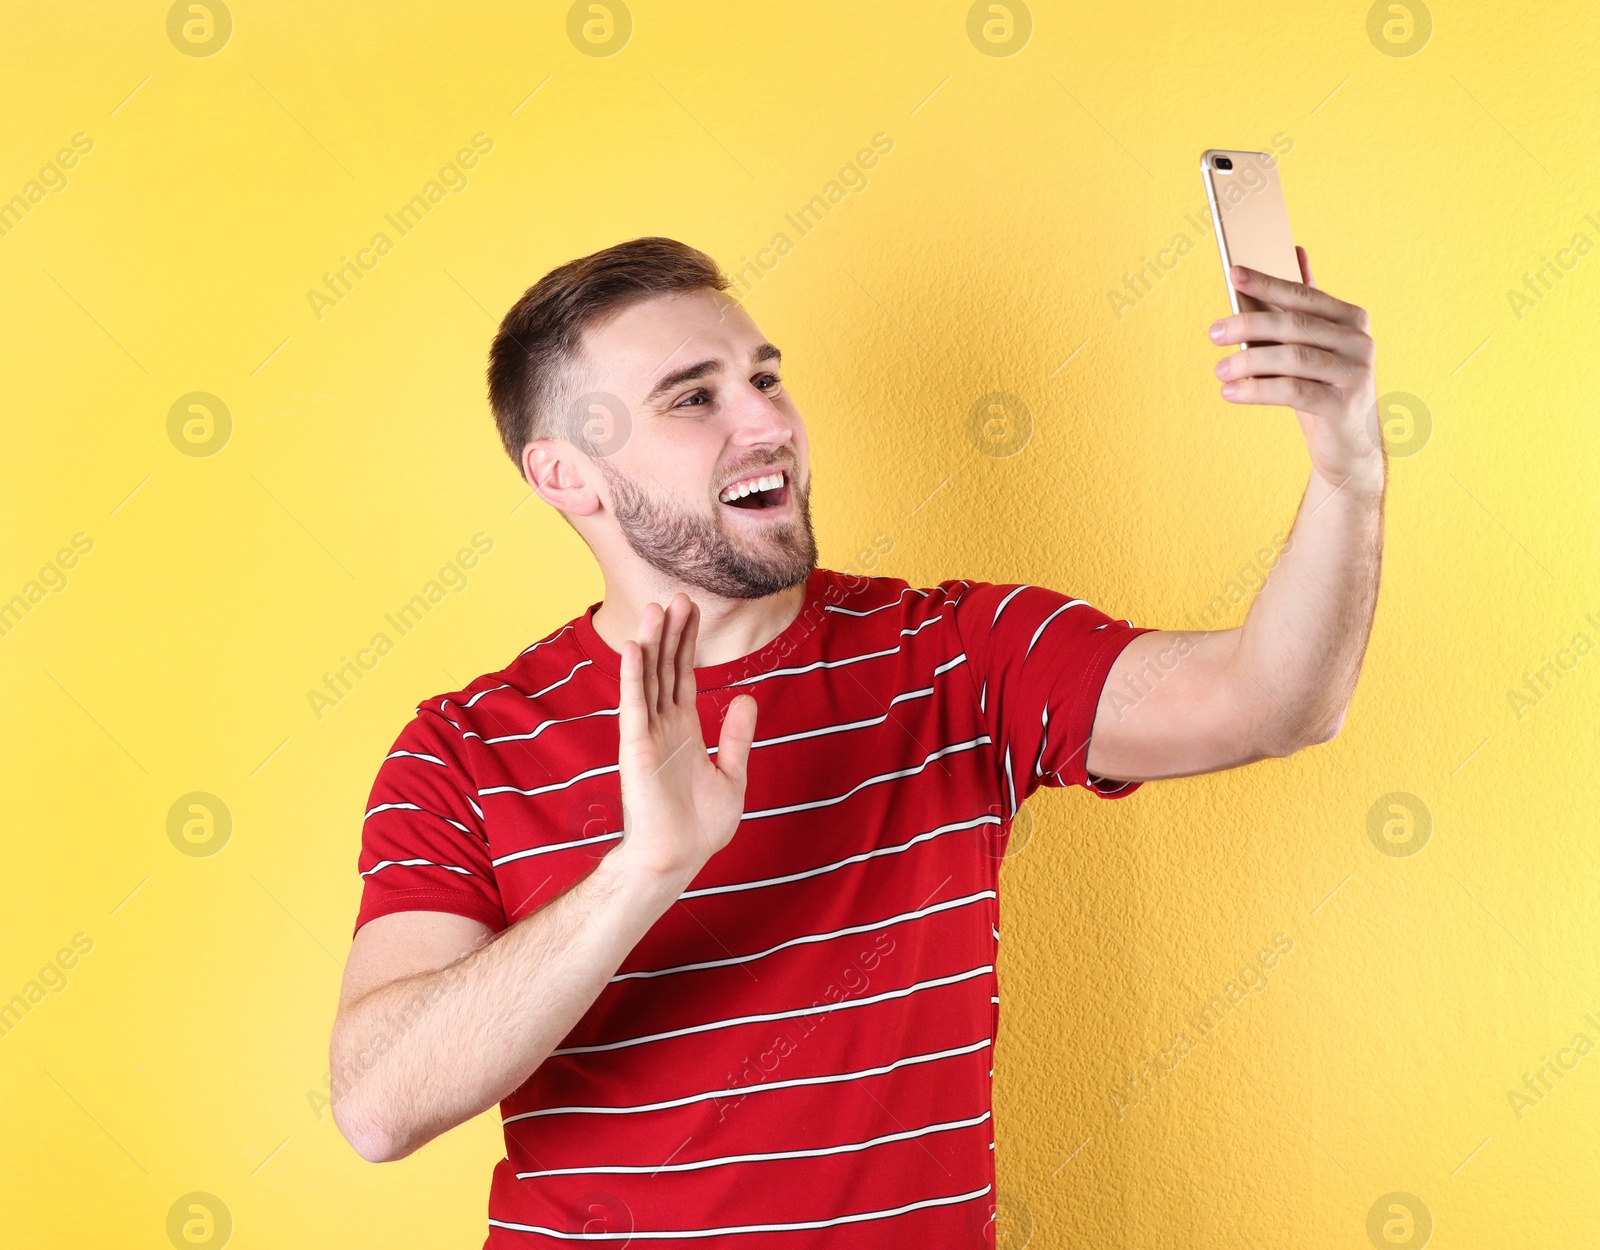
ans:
(744, 994)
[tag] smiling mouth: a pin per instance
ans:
(766, 490)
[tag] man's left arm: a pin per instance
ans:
(1176, 703)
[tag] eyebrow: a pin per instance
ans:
(700, 369)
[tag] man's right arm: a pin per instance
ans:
(438, 1021)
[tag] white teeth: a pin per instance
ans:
(770, 482)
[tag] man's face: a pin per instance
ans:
(702, 452)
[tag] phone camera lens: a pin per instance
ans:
(1223, 162)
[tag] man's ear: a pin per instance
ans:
(555, 470)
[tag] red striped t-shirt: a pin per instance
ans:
(798, 1053)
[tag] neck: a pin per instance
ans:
(729, 628)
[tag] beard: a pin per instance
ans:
(698, 551)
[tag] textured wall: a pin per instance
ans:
(221, 570)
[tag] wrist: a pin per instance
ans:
(1364, 481)
(662, 881)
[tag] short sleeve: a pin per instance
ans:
(1039, 661)
(423, 844)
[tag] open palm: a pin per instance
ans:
(679, 807)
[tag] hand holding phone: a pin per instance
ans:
(1250, 220)
(1320, 360)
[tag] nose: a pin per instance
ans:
(758, 422)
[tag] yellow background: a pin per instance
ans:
(980, 256)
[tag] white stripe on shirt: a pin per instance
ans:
(828, 607)
(556, 685)
(794, 1013)
(772, 811)
(809, 938)
(846, 726)
(543, 641)
(412, 807)
(953, 749)
(554, 846)
(842, 863)
(856, 1218)
(764, 882)
(1074, 603)
(831, 1078)
(1004, 602)
(416, 863)
(507, 686)
(818, 1152)
(539, 728)
(852, 659)
(559, 785)
(417, 755)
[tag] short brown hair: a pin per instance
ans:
(533, 360)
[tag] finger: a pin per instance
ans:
(1294, 296)
(733, 743)
(1296, 393)
(1273, 326)
(1305, 265)
(1291, 360)
(667, 659)
(684, 685)
(650, 646)
(631, 714)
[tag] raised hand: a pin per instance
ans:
(678, 807)
(1317, 358)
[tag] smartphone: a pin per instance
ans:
(1250, 219)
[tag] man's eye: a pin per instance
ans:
(773, 378)
(703, 395)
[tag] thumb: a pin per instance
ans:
(1305, 266)
(733, 744)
